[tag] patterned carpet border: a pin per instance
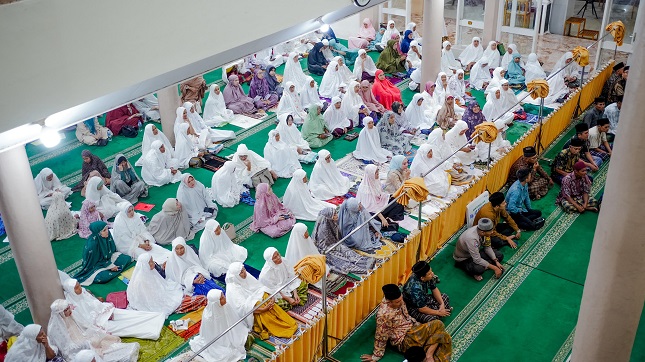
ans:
(565, 349)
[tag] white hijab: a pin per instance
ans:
(368, 66)
(533, 69)
(298, 246)
(8, 325)
(293, 71)
(128, 231)
(67, 335)
(336, 118)
(309, 94)
(494, 58)
(219, 249)
(368, 146)
(225, 187)
(509, 97)
(508, 56)
(283, 157)
(290, 133)
(216, 318)
(326, 181)
(44, 187)
(290, 102)
(195, 119)
(243, 293)
(346, 75)
(183, 269)
(454, 140)
(88, 310)
(257, 162)
(331, 81)
(448, 61)
(148, 291)
(370, 192)
(26, 348)
(156, 166)
(194, 199)
(299, 199)
(273, 275)
(215, 112)
(387, 35)
(494, 106)
(436, 181)
(456, 86)
(352, 102)
(415, 113)
(479, 73)
(472, 53)
(497, 79)
(186, 146)
(440, 149)
(440, 90)
(148, 138)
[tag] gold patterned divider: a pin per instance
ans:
(352, 308)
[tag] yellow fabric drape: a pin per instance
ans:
(416, 189)
(487, 132)
(539, 88)
(310, 268)
(274, 322)
(617, 30)
(581, 55)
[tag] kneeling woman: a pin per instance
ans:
(275, 273)
(101, 261)
(185, 268)
(244, 292)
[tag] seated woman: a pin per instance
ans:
(449, 64)
(150, 134)
(171, 222)
(92, 163)
(87, 216)
(326, 180)
(46, 184)
(456, 140)
(132, 238)
(438, 181)
(244, 292)
(59, 222)
(207, 135)
(105, 200)
(293, 71)
(431, 101)
(235, 98)
(533, 69)
(366, 34)
(290, 134)
(351, 215)
(149, 107)
(331, 81)
(492, 54)
(270, 216)
(275, 86)
(148, 291)
(353, 105)
(283, 156)
(364, 67)
(341, 259)
(70, 338)
(457, 87)
(300, 201)
(391, 136)
(193, 91)
(494, 107)
(416, 117)
(390, 61)
(309, 94)
(126, 115)
(197, 201)
(515, 73)
(215, 112)
(348, 56)
(373, 199)
(315, 130)
(125, 181)
(158, 168)
(290, 104)
(218, 316)
(369, 100)
(33, 345)
(336, 119)
(216, 250)
(368, 146)
(90, 132)
(251, 169)
(473, 116)
(480, 75)
(225, 186)
(184, 268)
(511, 103)
(511, 51)
(261, 93)
(385, 91)
(496, 81)
(413, 60)
(316, 61)
(187, 145)
(101, 261)
(498, 147)
(471, 54)
(119, 322)
(276, 272)
(397, 175)
(446, 117)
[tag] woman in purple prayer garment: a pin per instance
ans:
(235, 99)
(261, 92)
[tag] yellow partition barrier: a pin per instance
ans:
(352, 308)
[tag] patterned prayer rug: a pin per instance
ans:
(312, 310)
(194, 325)
(356, 167)
(385, 251)
(247, 120)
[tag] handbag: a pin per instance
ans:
(129, 131)
(119, 299)
(538, 223)
(229, 229)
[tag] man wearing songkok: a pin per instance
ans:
(519, 203)
(503, 232)
(474, 254)
(574, 195)
(563, 163)
(540, 181)
(422, 297)
(616, 75)
(582, 133)
(396, 326)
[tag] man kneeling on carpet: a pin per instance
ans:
(473, 260)
(503, 233)
(422, 297)
(395, 325)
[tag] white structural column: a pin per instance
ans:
(28, 238)
(614, 290)
(432, 32)
(168, 103)
(492, 21)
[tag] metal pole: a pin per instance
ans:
(538, 145)
(488, 159)
(325, 346)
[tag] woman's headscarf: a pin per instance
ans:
(59, 222)
(259, 86)
(493, 56)
(454, 139)
(273, 275)
(170, 223)
(309, 95)
(415, 114)
(368, 146)
(397, 162)
(194, 199)
(43, 186)
(472, 53)
(26, 348)
(271, 80)
(299, 200)
(148, 291)
(128, 175)
(216, 107)
(217, 252)
(243, 293)
(233, 93)
(326, 181)
(298, 246)
(330, 81)
(176, 266)
(405, 42)
(293, 72)
(385, 91)
(471, 118)
(225, 187)
(86, 218)
(290, 133)
(514, 69)
(351, 215)
(266, 207)
(290, 102)
(533, 69)
(95, 164)
(370, 192)
(97, 253)
(149, 137)
(367, 32)
(368, 98)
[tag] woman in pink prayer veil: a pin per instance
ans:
(269, 215)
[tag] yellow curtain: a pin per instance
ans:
(359, 302)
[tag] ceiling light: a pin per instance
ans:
(49, 137)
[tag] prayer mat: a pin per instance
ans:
(126, 275)
(337, 284)
(283, 342)
(338, 200)
(246, 120)
(313, 308)
(156, 350)
(385, 251)
(141, 206)
(394, 79)
(356, 167)
(193, 326)
(213, 163)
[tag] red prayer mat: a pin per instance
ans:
(141, 206)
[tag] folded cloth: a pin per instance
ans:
(311, 268)
(487, 132)
(414, 188)
(581, 55)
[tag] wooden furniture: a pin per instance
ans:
(580, 22)
(589, 34)
(524, 12)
